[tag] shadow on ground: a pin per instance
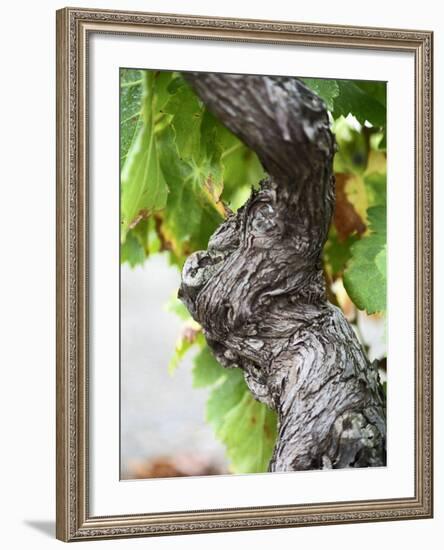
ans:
(47, 527)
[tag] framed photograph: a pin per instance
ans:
(244, 274)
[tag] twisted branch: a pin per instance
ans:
(259, 290)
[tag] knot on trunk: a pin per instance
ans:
(259, 290)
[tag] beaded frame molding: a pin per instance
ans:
(74, 521)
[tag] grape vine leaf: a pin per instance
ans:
(140, 242)
(143, 186)
(187, 159)
(174, 305)
(173, 162)
(381, 261)
(337, 252)
(206, 370)
(365, 100)
(242, 170)
(352, 154)
(376, 188)
(132, 251)
(249, 434)
(247, 428)
(375, 88)
(357, 99)
(130, 108)
(181, 349)
(187, 112)
(191, 215)
(326, 89)
(365, 277)
(144, 189)
(191, 336)
(224, 397)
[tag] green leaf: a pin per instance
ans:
(224, 397)
(242, 170)
(182, 347)
(374, 88)
(143, 185)
(249, 433)
(179, 163)
(357, 99)
(190, 157)
(190, 336)
(152, 243)
(376, 186)
(365, 100)
(132, 251)
(176, 83)
(187, 112)
(381, 262)
(326, 89)
(207, 370)
(140, 242)
(162, 81)
(352, 154)
(365, 278)
(130, 108)
(191, 215)
(337, 253)
(174, 305)
(246, 427)
(144, 188)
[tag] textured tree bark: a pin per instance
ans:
(259, 291)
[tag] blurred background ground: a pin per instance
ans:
(163, 428)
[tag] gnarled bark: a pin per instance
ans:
(259, 290)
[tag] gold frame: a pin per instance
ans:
(73, 519)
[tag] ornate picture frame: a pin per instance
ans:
(74, 518)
